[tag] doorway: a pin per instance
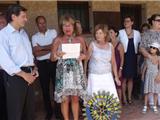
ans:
(134, 10)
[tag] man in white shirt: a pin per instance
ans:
(42, 42)
(3, 112)
(17, 62)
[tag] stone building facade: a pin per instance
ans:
(50, 10)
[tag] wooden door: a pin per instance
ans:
(109, 18)
(135, 11)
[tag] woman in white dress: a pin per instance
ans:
(101, 63)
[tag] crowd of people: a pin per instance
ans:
(118, 61)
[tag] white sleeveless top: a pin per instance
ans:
(100, 61)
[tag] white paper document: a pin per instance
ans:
(72, 50)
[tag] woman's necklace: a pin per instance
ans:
(70, 40)
(129, 33)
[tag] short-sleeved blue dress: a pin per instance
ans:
(130, 61)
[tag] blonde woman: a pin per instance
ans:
(70, 82)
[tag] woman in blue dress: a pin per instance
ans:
(130, 39)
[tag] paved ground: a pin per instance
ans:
(133, 112)
(129, 112)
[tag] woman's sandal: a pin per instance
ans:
(124, 103)
(130, 101)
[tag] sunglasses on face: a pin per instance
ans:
(153, 47)
(157, 20)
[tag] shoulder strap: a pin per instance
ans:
(117, 44)
(93, 44)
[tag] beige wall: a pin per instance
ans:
(111, 5)
(7, 2)
(35, 8)
(105, 6)
(152, 8)
(148, 7)
(49, 10)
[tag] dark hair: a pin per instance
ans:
(114, 29)
(38, 17)
(149, 21)
(14, 9)
(66, 18)
(3, 15)
(153, 17)
(129, 16)
(157, 52)
(77, 32)
(104, 28)
(144, 25)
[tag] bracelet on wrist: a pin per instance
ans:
(121, 68)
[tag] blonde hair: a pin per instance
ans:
(64, 19)
(104, 28)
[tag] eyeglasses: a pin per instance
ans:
(127, 21)
(158, 20)
(153, 47)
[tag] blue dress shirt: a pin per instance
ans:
(15, 50)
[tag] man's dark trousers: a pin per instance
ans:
(3, 111)
(47, 73)
(20, 98)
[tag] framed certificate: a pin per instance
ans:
(72, 50)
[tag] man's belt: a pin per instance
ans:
(27, 69)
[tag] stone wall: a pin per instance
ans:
(36, 8)
(105, 6)
(148, 7)
(152, 7)
(49, 10)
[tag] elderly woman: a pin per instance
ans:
(152, 35)
(70, 82)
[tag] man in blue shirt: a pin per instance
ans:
(17, 62)
(3, 113)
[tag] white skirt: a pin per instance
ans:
(101, 82)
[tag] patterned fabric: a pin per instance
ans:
(100, 57)
(151, 73)
(70, 79)
(149, 37)
(100, 76)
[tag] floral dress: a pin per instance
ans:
(149, 37)
(70, 80)
(150, 85)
